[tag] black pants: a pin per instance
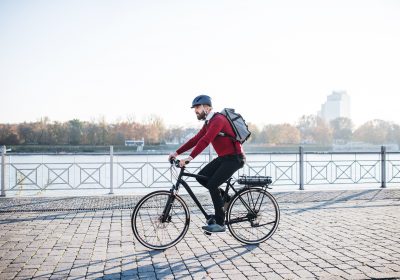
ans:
(218, 171)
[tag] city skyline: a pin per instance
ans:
(272, 61)
(337, 105)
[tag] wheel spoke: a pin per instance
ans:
(148, 227)
(253, 216)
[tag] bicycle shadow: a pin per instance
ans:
(175, 262)
(17, 204)
(46, 215)
(157, 267)
(339, 199)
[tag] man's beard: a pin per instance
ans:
(201, 116)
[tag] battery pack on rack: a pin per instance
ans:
(254, 180)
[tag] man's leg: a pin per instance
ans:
(226, 169)
(208, 171)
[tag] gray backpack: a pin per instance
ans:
(239, 126)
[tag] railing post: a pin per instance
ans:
(3, 171)
(111, 170)
(383, 166)
(301, 167)
(209, 153)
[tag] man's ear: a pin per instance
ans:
(207, 108)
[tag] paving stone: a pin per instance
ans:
(323, 235)
(8, 275)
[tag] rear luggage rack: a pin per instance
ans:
(254, 180)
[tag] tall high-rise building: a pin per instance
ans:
(337, 105)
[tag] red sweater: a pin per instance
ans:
(209, 134)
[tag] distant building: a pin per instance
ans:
(337, 105)
(135, 143)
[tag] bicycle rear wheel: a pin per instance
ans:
(148, 225)
(253, 216)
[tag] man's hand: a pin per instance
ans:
(172, 155)
(185, 161)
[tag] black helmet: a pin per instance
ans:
(202, 100)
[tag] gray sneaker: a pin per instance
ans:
(214, 228)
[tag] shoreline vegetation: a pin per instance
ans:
(166, 149)
(152, 135)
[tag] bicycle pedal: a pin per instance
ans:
(207, 233)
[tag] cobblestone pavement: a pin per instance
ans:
(322, 235)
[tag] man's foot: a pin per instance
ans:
(214, 228)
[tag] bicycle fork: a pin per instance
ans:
(166, 217)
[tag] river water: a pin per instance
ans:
(91, 174)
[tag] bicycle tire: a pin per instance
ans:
(247, 227)
(146, 222)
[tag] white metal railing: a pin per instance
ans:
(112, 172)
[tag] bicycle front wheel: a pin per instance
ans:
(253, 216)
(154, 230)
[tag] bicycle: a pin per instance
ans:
(161, 219)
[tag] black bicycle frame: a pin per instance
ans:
(193, 196)
(189, 190)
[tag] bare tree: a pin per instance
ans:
(155, 129)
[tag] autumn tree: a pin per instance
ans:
(394, 134)
(280, 134)
(8, 135)
(374, 132)
(26, 133)
(314, 130)
(342, 129)
(57, 133)
(91, 135)
(174, 134)
(42, 131)
(255, 133)
(288, 134)
(103, 132)
(75, 132)
(309, 129)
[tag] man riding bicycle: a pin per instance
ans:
(230, 158)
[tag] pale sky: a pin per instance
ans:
(273, 61)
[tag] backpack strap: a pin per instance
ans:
(223, 134)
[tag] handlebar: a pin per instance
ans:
(176, 162)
